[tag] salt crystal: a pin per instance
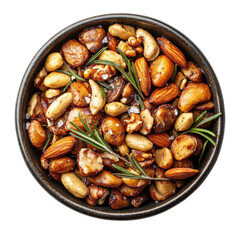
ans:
(87, 99)
(105, 76)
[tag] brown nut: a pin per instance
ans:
(185, 163)
(199, 146)
(56, 80)
(123, 149)
(78, 146)
(161, 70)
(97, 195)
(92, 38)
(60, 147)
(164, 117)
(164, 95)
(193, 94)
(81, 93)
(117, 85)
(164, 158)
(112, 42)
(155, 194)
(133, 123)
(172, 52)
(126, 49)
(183, 146)
(117, 200)
(147, 120)
(51, 93)
(99, 72)
(130, 191)
(184, 122)
(205, 106)
(62, 165)
(39, 80)
(89, 162)
(144, 159)
(108, 162)
(113, 130)
(137, 201)
(180, 80)
(134, 42)
(115, 108)
(53, 62)
(180, 173)
(148, 105)
(127, 94)
(74, 53)
(138, 141)
(160, 139)
(37, 134)
(122, 31)
(45, 162)
(192, 72)
(106, 179)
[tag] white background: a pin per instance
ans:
(29, 212)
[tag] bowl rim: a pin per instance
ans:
(138, 213)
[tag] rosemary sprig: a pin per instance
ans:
(96, 55)
(49, 136)
(202, 152)
(174, 72)
(105, 85)
(94, 138)
(102, 90)
(67, 86)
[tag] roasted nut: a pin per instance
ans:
(183, 146)
(98, 99)
(112, 42)
(160, 139)
(117, 85)
(74, 53)
(59, 106)
(89, 162)
(143, 73)
(115, 108)
(123, 149)
(92, 38)
(180, 81)
(172, 52)
(133, 123)
(205, 106)
(74, 185)
(164, 117)
(151, 48)
(144, 159)
(155, 194)
(108, 162)
(112, 56)
(192, 72)
(53, 62)
(97, 195)
(130, 191)
(81, 93)
(127, 94)
(126, 49)
(147, 121)
(184, 122)
(78, 146)
(56, 80)
(60, 147)
(62, 165)
(45, 162)
(99, 72)
(180, 173)
(84, 113)
(109, 156)
(134, 42)
(113, 130)
(148, 105)
(161, 70)
(139, 142)
(117, 200)
(37, 134)
(164, 158)
(185, 163)
(106, 179)
(193, 94)
(199, 146)
(140, 199)
(122, 31)
(39, 80)
(51, 93)
(164, 95)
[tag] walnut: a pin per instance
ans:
(38, 81)
(97, 195)
(134, 42)
(128, 50)
(144, 159)
(133, 123)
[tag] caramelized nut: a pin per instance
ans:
(133, 123)
(117, 200)
(164, 158)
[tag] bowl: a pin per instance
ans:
(31, 155)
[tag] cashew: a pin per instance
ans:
(109, 155)
(123, 149)
(147, 120)
(112, 56)
(151, 48)
(50, 93)
(34, 106)
(97, 99)
(139, 142)
(74, 185)
(56, 80)
(184, 121)
(121, 31)
(115, 108)
(59, 106)
(53, 62)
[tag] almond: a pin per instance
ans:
(112, 42)
(180, 173)
(60, 147)
(164, 95)
(160, 139)
(172, 52)
(143, 75)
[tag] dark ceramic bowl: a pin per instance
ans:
(32, 156)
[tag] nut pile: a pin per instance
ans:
(174, 96)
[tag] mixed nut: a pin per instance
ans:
(149, 119)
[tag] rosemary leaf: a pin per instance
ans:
(202, 152)
(135, 75)
(209, 119)
(204, 131)
(174, 72)
(199, 119)
(102, 91)
(96, 55)
(49, 136)
(136, 163)
(68, 85)
(105, 85)
(105, 62)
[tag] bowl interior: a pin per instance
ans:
(32, 156)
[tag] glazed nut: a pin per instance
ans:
(37, 134)
(118, 201)
(59, 106)
(139, 142)
(185, 163)
(122, 31)
(192, 72)
(130, 191)
(127, 50)
(127, 94)
(97, 195)
(53, 62)
(180, 80)
(34, 106)
(147, 121)
(112, 42)
(89, 162)
(137, 201)
(97, 99)
(141, 156)
(160, 139)
(81, 92)
(180, 173)
(133, 123)
(115, 108)
(134, 42)
(117, 88)
(164, 158)
(205, 106)
(155, 194)
(57, 80)
(62, 165)
(184, 122)
(44, 162)
(51, 93)
(123, 149)
(109, 156)
(74, 185)
(39, 80)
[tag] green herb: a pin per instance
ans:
(94, 138)
(202, 152)
(102, 91)
(105, 85)
(44, 125)
(174, 73)
(49, 136)
(96, 55)
(66, 87)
